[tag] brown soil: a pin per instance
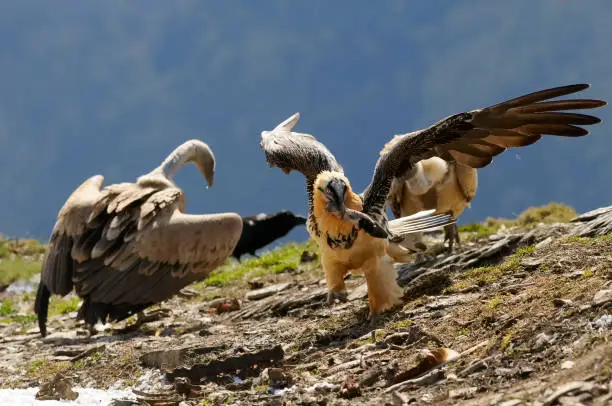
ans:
(521, 314)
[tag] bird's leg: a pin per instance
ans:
(140, 319)
(451, 234)
(334, 275)
(91, 330)
(383, 291)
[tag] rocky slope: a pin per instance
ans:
(519, 315)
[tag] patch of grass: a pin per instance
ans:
(21, 247)
(59, 305)
(486, 274)
(496, 301)
(507, 340)
(15, 269)
(588, 241)
(588, 273)
(44, 368)
(275, 261)
(7, 307)
(478, 230)
(400, 325)
(19, 318)
(550, 213)
(88, 361)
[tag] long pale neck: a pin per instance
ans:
(180, 156)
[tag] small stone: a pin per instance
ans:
(255, 284)
(359, 292)
(464, 393)
(544, 242)
(558, 302)
(510, 402)
(531, 263)
(602, 297)
(543, 340)
(350, 389)
(267, 291)
(567, 364)
(224, 304)
(275, 377)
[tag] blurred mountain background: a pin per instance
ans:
(112, 87)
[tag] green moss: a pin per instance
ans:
(589, 241)
(496, 301)
(66, 305)
(588, 273)
(7, 307)
(550, 213)
(272, 262)
(507, 340)
(45, 368)
(486, 274)
(400, 324)
(87, 361)
(19, 318)
(477, 230)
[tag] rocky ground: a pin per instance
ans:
(519, 315)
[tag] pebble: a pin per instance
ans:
(267, 291)
(602, 297)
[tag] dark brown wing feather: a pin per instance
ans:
(475, 137)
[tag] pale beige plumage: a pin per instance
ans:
(446, 187)
(129, 245)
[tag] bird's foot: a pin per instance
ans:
(374, 320)
(152, 315)
(90, 330)
(341, 295)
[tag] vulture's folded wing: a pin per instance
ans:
(475, 137)
(145, 249)
(58, 264)
(292, 151)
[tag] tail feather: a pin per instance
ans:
(41, 307)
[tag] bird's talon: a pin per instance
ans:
(342, 296)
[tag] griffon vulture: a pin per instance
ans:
(129, 246)
(471, 138)
(447, 187)
(262, 229)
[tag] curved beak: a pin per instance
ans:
(336, 192)
(210, 179)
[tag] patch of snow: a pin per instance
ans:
(87, 397)
(152, 380)
(603, 323)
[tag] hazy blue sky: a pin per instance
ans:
(111, 87)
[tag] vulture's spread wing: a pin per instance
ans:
(475, 137)
(145, 250)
